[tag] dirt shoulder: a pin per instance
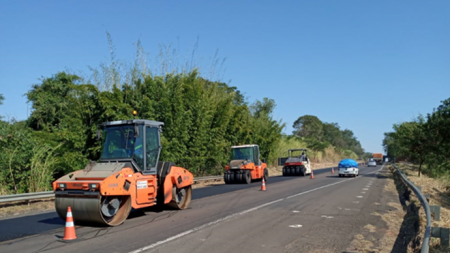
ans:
(439, 192)
(402, 219)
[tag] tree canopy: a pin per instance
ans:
(424, 140)
(321, 134)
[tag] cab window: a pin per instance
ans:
(152, 146)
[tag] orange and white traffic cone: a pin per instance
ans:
(312, 174)
(332, 170)
(69, 232)
(263, 185)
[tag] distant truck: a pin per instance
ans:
(378, 157)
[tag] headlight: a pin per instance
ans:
(93, 186)
(62, 185)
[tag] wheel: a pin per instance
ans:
(340, 175)
(107, 210)
(232, 177)
(284, 171)
(181, 198)
(266, 174)
(248, 177)
(297, 171)
(303, 171)
(226, 177)
(238, 177)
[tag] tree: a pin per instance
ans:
(331, 133)
(308, 126)
(1, 102)
(437, 128)
(266, 130)
(409, 139)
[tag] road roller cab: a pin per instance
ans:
(297, 164)
(245, 165)
(127, 175)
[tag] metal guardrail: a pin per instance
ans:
(426, 207)
(50, 194)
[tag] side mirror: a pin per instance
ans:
(136, 131)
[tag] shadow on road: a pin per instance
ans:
(53, 221)
(409, 231)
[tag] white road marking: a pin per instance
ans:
(359, 197)
(363, 192)
(156, 244)
(347, 209)
(295, 211)
(365, 189)
(328, 217)
(295, 226)
(356, 202)
(202, 227)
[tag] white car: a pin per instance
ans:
(352, 171)
(372, 163)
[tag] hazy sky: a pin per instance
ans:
(363, 64)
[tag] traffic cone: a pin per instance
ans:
(263, 185)
(312, 174)
(332, 170)
(69, 232)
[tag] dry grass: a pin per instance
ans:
(362, 244)
(18, 208)
(439, 195)
(201, 184)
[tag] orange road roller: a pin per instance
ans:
(245, 165)
(127, 175)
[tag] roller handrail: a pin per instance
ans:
(426, 207)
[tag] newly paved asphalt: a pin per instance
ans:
(294, 214)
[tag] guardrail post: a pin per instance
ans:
(436, 210)
(443, 234)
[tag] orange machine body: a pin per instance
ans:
(143, 189)
(245, 165)
(257, 171)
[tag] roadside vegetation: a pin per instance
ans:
(424, 141)
(202, 118)
(438, 190)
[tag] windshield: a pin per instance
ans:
(121, 143)
(296, 153)
(242, 154)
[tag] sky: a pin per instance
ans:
(363, 64)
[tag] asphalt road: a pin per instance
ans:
(292, 215)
